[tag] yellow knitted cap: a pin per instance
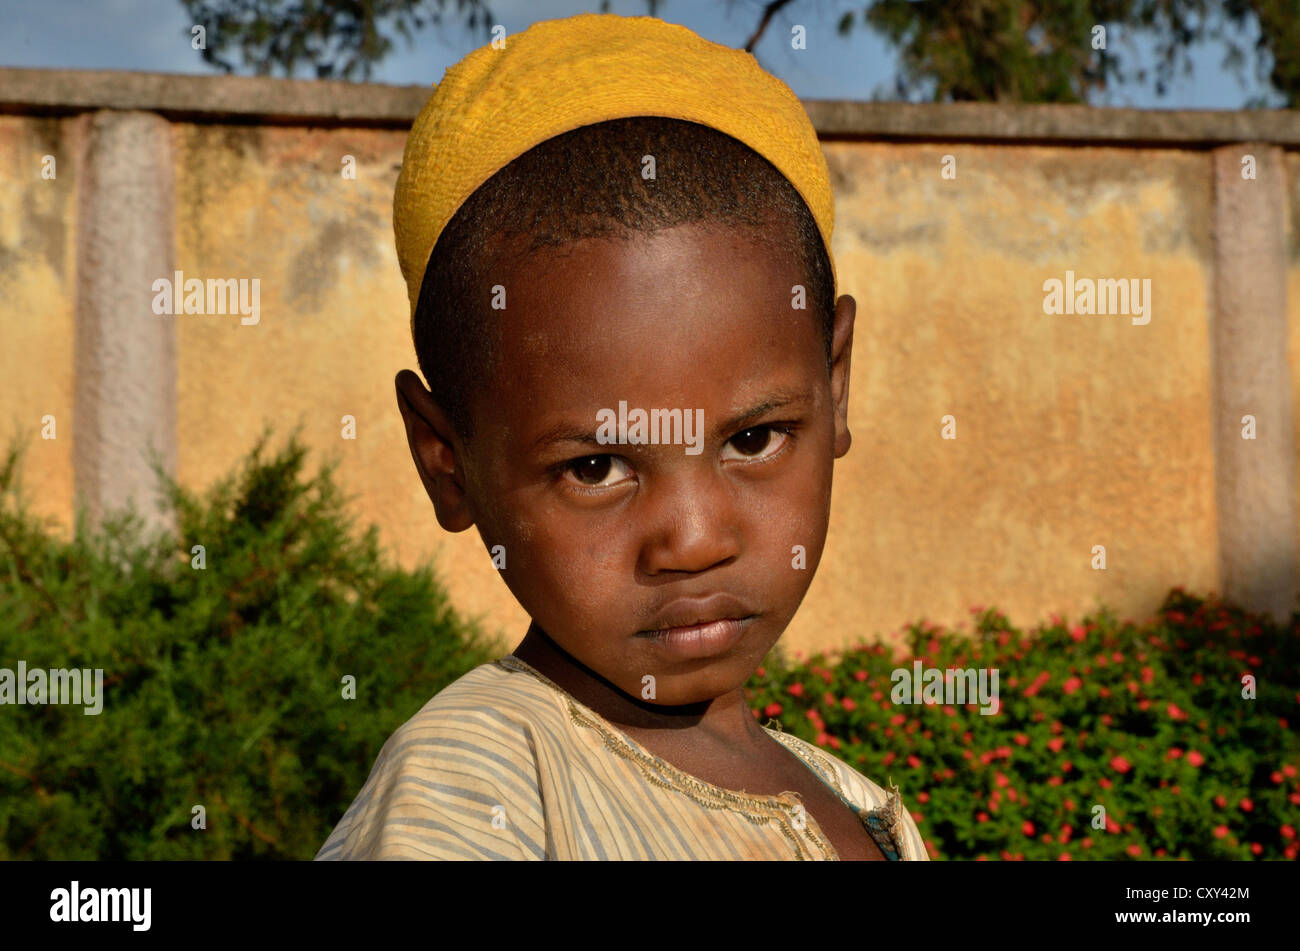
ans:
(559, 75)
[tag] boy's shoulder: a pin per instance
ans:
(446, 779)
(497, 689)
(494, 710)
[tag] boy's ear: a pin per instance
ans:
(846, 309)
(435, 449)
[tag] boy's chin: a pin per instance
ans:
(698, 686)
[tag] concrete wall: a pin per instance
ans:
(1072, 431)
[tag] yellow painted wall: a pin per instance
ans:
(1072, 431)
(38, 296)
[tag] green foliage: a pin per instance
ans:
(338, 39)
(1043, 50)
(951, 50)
(1147, 720)
(223, 685)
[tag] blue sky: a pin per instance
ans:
(154, 36)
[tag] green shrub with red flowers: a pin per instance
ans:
(1149, 721)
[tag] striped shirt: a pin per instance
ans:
(504, 764)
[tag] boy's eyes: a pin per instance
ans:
(596, 470)
(603, 472)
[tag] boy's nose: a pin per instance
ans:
(691, 526)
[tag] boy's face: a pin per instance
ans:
(606, 544)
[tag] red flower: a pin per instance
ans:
(1195, 758)
(1120, 764)
(760, 672)
(1134, 850)
(859, 675)
(1078, 633)
(1174, 752)
(796, 690)
(1221, 802)
(1033, 688)
(1027, 828)
(1288, 832)
(1256, 848)
(1063, 857)
(773, 709)
(1220, 832)
(1022, 739)
(1246, 805)
(848, 704)
(1055, 744)
(1105, 783)
(1276, 776)
(1071, 685)
(1175, 713)
(914, 762)
(981, 817)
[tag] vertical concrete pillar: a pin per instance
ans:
(125, 398)
(1255, 479)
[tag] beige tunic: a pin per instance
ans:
(504, 764)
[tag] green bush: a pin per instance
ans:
(223, 685)
(1148, 721)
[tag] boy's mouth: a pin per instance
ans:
(691, 628)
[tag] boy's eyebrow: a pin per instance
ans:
(777, 400)
(567, 432)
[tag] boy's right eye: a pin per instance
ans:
(596, 471)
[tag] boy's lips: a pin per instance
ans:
(690, 612)
(700, 640)
(691, 628)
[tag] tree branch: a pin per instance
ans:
(768, 12)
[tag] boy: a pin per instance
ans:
(616, 242)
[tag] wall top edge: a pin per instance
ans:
(258, 100)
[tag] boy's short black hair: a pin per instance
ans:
(588, 183)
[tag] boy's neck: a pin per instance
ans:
(726, 719)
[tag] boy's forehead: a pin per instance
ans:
(650, 317)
